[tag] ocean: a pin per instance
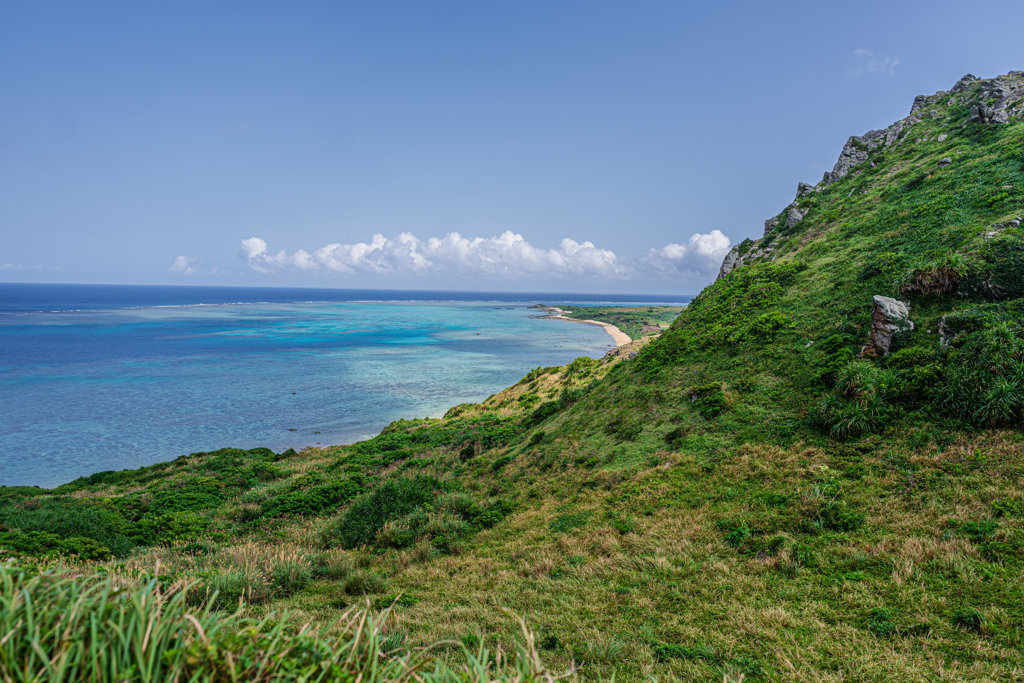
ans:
(108, 377)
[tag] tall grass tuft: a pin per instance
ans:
(61, 626)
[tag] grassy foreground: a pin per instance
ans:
(754, 495)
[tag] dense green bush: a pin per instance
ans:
(984, 381)
(311, 495)
(541, 413)
(390, 500)
(167, 529)
(708, 398)
(68, 518)
(834, 354)
(624, 426)
(38, 543)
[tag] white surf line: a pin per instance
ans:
(618, 335)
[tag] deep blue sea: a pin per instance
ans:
(107, 377)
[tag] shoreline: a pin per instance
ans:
(620, 337)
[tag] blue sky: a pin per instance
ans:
(573, 146)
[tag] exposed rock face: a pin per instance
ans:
(855, 151)
(794, 216)
(988, 115)
(729, 262)
(964, 83)
(770, 225)
(803, 189)
(889, 318)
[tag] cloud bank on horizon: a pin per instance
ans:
(508, 256)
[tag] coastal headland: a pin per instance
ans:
(617, 335)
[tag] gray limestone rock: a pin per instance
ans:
(794, 216)
(945, 161)
(848, 158)
(770, 224)
(803, 189)
(964, 83)
(889, 317)
(942, 136)
(919, 102)
(729, 262)
(945, 334)
(892, 133)
(993, 97)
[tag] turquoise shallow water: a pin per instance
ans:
(90, 390)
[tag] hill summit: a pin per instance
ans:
(816, 473)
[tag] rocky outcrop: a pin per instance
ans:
(964, 83)
(794, 216)
(888, 318)
(993, 101)
(855, 151)
(729, 262)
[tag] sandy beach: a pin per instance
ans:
(618, 335)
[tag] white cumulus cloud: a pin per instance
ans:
(181, 265)
(506, 256)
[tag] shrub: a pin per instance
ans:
(186, 500)
(623, 525)
(38, 543)
(581, 367)
(528, 400)
(392, 499)
(541, 413)
(880, 622)
(765, 327)
(968, 618)
(68, 518)
(674, 437)
(835, 354)
(934, 277)
(568, 522)
(312, 495)
(167, 529)
(984, 380)
(858, 404)
(709, 399)
(624, 427)
(1008, 508)
(500, 462)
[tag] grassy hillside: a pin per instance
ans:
(755, 494)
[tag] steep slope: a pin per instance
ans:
(815, 474)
